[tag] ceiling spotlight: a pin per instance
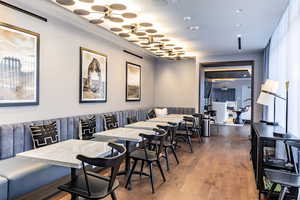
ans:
(239, 42)
(187, 18)
(239, 10)
(194, 28)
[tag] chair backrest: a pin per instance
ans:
(188, 120)
(151, 114)
(131, 120)
(171, 131)
(199, 118)
(112, 162)
(293, 152)
(110, 122)
(153, 142)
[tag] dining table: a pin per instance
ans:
(175, 120)
(146, 125)
(64, 154)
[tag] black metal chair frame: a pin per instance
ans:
(112, 162)
(148, 145)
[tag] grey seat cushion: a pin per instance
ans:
(3, 188)
(25, 175)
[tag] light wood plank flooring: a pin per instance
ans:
(219, 169)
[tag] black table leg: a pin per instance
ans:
(73, 179)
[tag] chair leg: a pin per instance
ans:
(113, 195)
(167, 158)
(151, 177)
(130, 174)
(142, 168)
(161, 170)
(190, 143)
(174, 153)
(282, 193)
(271, 191)
(199, 136)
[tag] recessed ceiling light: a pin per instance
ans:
(239, 10)
(194, 28)
(187, 18)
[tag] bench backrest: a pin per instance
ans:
(16, 138)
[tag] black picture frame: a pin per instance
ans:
(128, 99)
(81, 95)
(36, 100)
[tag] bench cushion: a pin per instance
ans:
(25, 175)
(3, 188)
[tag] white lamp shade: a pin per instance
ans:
(270, 86)
(265, 99)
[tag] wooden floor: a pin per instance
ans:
(219, 169)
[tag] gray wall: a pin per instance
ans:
(59, 71)
(175, 83)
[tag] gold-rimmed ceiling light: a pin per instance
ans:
(126, 22)
(66, 2)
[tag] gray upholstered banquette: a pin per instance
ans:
(19, 176)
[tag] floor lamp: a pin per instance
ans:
(268, 96)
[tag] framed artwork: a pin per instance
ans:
(133, 82)
(93, 76)
(19, 66)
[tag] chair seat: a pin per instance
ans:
(166, 143)
(98, 186)
(140, 154)
(283, 178)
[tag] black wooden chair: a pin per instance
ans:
(170, 142)
(91, 185)
(131, 120)
(149, 153)
(186, 131)
(198, 126)
(284, 178)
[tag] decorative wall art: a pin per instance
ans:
(19, 66)
(133, 82)
(93, 76)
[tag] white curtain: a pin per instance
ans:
(284, 65)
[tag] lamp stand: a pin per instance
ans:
(287, 106)
(274, 113)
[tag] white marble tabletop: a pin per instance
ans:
(125, 134)
(179, 116)
(64, 153)
(147, 125)
(167, 119)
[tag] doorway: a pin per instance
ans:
(227, 89)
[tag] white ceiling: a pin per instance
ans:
(217, 20)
